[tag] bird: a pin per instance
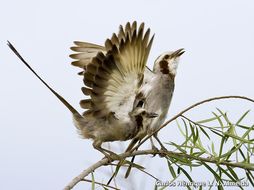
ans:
(156, 91)
(157, 88)
(112, 81)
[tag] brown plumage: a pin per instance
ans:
(112, 79)
(156, 86)
(120, 63)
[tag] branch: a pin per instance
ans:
(105, 161)
(86, 172)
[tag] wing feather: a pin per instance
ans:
(85, 52)
(113, 76)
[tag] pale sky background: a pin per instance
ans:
(39, 147)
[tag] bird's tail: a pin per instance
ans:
(67, 105)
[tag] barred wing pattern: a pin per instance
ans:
(115, 74)
(86, 52)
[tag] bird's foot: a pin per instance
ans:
(163, 148)
(112, 157)
(163, 151)
(109, 158)
(155, 149)
(160, 152)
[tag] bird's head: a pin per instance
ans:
(167, 62)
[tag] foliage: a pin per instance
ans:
(222, 146)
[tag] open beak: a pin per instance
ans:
(178, 53)
(152, 115)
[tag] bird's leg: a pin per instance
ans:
(154, 147)
(163, 148)
(152, 144)
(111, 156)
(158, 140)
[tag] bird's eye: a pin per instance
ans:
(140, 103)
(166, 56)
(143, 113)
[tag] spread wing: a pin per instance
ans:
(112, 79)
(85, 53)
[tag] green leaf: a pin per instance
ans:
(234, 149)
(224, 116)
(120, 163)
(247, 132)
(208, 120)
(221, 146)
(242, 154)
(227, 174)
(197, 135)
(185, 173)
(180, 129)
(198, 154)
(213, 150)
(238, 138)
(243, 126)
(179, 147)
(242, 117)
(171, 169)
(216, 176)
(232, 172)
(201, 147)
(193, 133)
(133, 164)
(231, 151)
(181, 160)
(185, 143)
(219, 120)
(203, 131)
(250, 177)
(186, 128)
(215, 132)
